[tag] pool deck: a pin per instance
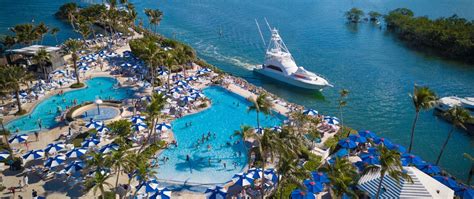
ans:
(51, 135)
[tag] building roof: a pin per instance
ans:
(423, 186)
(31, 50)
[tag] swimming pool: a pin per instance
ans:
(47, 110)
(227, 113)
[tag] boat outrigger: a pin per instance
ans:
(280, 65)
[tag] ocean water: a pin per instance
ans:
(226, 115)
(377, 68)
(46, 111)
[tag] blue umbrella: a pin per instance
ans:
(197, 95)
(137, 119)
(465, 193)
(313, 187)
(299, 194)
(367, 134)
(408, 159)
(162, 73)
(177, 89)
(331, 120)
(373, 150)
(357, 138)
(18, 139)
(187, 99)
(90, 143)
(218, 192)
(259, 130)
(52, 162)
(383, 141)
(398, 148)
(109, 148)
(276, 128)
(4, 155)
(449, 182)
(177, 76)
(33, 155)
(181, 83)
(54, 147)
(242, 180)
(431, 169)
(149, 186)
(75, 153)
(255, 173)
(320, 177)
(370, 159)
(192, 78)
(139, 126)
(270, 175)
(342, 152)
(162, 193)
(102, 128)
(163, 127)
(74, 166)
(93, 124)
(347, 143)
(311, 112)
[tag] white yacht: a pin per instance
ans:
(445, 103)
(280, 65)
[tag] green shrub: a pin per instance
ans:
(202, 105)
(77, 85)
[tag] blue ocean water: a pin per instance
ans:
(46, 111)
(377, 68)
(226, 115)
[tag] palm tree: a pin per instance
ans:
(84, 27)
(99, 182)
(5, 133)
(458, 117)
(260, 104)
(41, 30)
(471, 171)
(423, 99)
(8, 41)
(11, 80)
(42, 57)
(154, 18)
(153, 111)
(25, 33)
(118, 164)
(389, 164)
(72, 46)
(342, 176)
(290, 173)
(342, 103)
(54, 32)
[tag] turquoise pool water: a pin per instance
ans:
(227, 113)
(47, 110)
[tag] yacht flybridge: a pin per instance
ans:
(280, 65)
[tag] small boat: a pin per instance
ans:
(445, 103)
(280, 65)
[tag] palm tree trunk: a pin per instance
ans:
(117, 180)
(413, 131)
(264, 161)
(470, 175)
(382, 175)
(18, 102)
(75, 71)
(102, 193)
(444, 145)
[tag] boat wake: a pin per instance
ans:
(213, 51)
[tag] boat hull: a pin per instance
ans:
(290, 81)
(469, 125)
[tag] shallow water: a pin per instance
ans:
(227, 113)
(46, 111)
(378, 69)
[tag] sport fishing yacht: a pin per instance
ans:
(280, 65)
(445, 103)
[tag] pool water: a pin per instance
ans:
(46, 111)
(105, 113)
(226, 114)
